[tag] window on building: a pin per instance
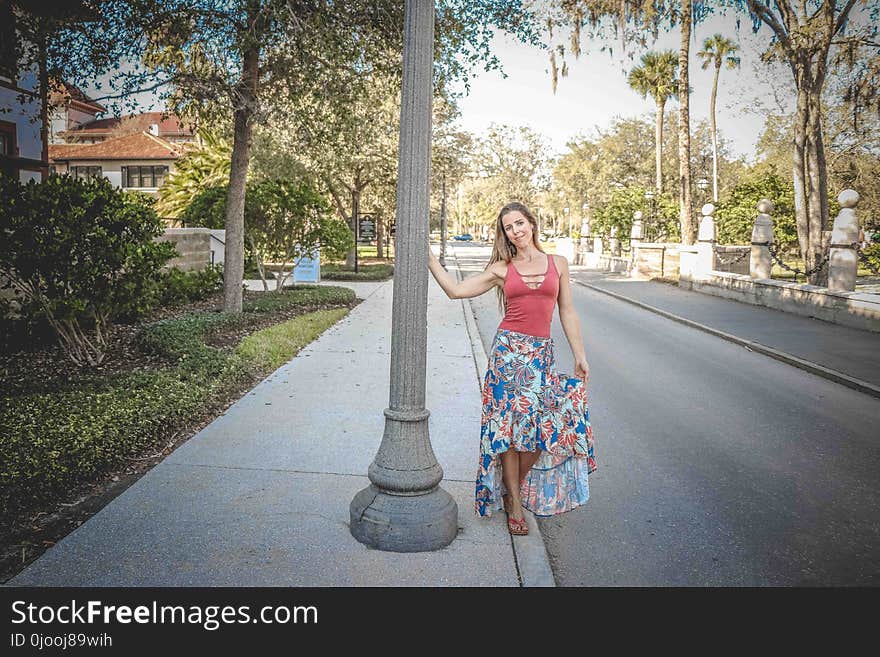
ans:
(85, 173)
(144, 176)
(7, 139)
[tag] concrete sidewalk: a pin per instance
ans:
(260, 497)
(846, 355)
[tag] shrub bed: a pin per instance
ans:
(176, 286)
(51, 441)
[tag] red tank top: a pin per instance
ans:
(530, 311)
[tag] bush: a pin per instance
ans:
(300, 295)
(176, 287)
(659, 217)
(24, 333)
(736, 212)
(286, 221)
(52, 442)
(80, 253)
(207, 209)
(182, 341)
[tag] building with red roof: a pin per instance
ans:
(139, 161)
(69, 107)
(161, 124)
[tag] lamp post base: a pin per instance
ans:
(404, 523)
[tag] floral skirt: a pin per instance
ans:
(528, 406)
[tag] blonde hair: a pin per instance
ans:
(504, 250)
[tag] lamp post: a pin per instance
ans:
(651, 197)
(703, 185)
(583, 236)
(404, 509)
(443, 224)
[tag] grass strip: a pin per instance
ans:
(376, 272)
(270, 348)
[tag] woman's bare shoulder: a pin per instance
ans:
(498, 268)
(560, 261)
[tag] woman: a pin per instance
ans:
(535, 423)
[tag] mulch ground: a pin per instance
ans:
(25, 538)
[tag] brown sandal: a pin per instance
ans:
(517, 527)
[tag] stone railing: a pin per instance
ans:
(639, 259)
(838, 303)
(742, 272)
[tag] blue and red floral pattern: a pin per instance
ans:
(528, 406)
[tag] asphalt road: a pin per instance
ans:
(717, 466)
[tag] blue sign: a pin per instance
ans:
(308, 270)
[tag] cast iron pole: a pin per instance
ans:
(404, 509)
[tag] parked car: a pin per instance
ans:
(465, 237)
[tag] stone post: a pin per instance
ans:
(760, 262)
(706, 242)
(615, 243)
(598, 247)
(843, 261)
(586, 235)
(583, 243)
(404, 509)
(636, 234)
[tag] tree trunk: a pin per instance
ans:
(818, 177)
(810, 170)
(233, 265)
(260, 269)
(688, 226)
(806, 41)
(658, 147)
(44, 104)
(799, 173)
(714, 129)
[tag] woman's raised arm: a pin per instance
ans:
(469, 287)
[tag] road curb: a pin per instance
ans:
(813, 368)
(530, 553)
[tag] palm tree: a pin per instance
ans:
(204, 165)
(656, 77)
(716, 50)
